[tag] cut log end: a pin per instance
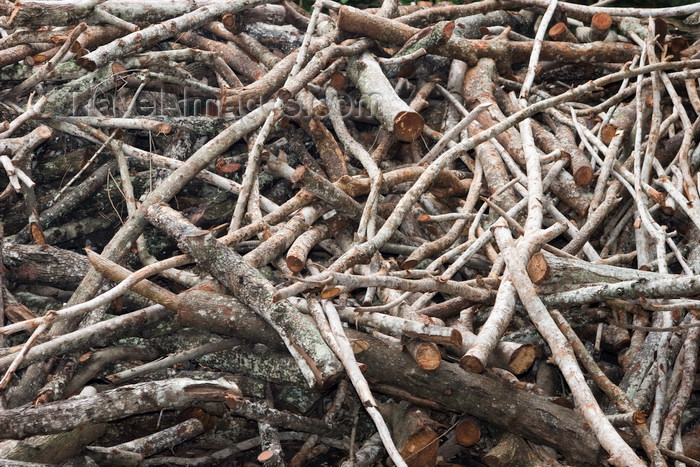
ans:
(558, 31)
(298, 174)
(583, 176)
(471, 364)
(657, 196)
(338, 81)
(330, 292)
(601, 21)
(522, 359)
(427, 356)
(677, 44)
(43, 132)
(38, 58)
(87, 63)
(228, 20)
(408, 126)
(358, 346)
(639, 416)
(410, 263)
(467, 432)
(607, 133)
(537, 268)
(295, 264)
(456, 338)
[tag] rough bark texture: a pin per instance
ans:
(489, 231)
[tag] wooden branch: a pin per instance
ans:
(511, 450)
(300, 249)
(615, 394)
(331, 154)
(114, 404)
(451, 386)
(415, 433)
(340, 134)
(96, 334)
(170, 360)
(379, 97)
(238, 61)
(580, 165)
(158, 32)
(470, 51)
(319, 366)
(619, 451)
(547, 269)
(164, 439)
(657, 288)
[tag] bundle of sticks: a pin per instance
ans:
(424, 233)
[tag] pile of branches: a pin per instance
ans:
(435, 234)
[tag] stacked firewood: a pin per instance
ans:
(238, 232)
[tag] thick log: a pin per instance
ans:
(514, 357)
(555, 274)
(526, 414)
(51, 448)
(45, 264)
(415, 433)
(158, 32)
(468, 431)
(38, 13)
(114, 404)
(511, 450)
(319, 366)
(470, 51)
(59, 13)
(213, 311)
(98, 334)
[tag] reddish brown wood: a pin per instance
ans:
(468, 431)
(601, 23)
(560, 32)
(538, 268)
